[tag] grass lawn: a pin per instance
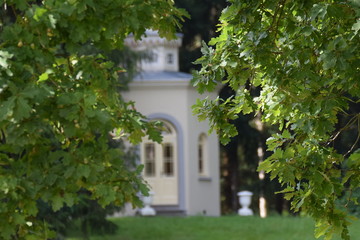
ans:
(216, 228)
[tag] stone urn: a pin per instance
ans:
(147, 210)
(245, 201)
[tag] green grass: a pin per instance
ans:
(216, 228)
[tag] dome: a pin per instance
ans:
(164, 54)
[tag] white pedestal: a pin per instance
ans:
(148, 210)
(245, 212)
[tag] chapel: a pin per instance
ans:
(183, 171)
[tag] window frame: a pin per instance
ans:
(202, 156)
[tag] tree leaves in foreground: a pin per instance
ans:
(305, 56)
(58, 105)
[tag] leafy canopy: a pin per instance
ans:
(305, 58)
(58, 105)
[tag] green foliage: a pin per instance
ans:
(58, 105)
(87, 215)
(305, 57)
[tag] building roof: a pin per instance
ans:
(164, 76)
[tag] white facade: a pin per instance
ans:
(183, 172)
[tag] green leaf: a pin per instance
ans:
(31, 208)
(23, 109)
(7, 231)
(286, 190)
(69, 171)
(39, 12)
(6, 108)
(329, 61)
(69, 199)
(356, 27)
(52, 20)
(18, 218)
(307, 30)
(144, 189)
(355, 157)
(321, 229)
(318, 11)
(44, 76)
(265, 166)
(4, 56)
(57, 202)
(286, 134)
(83, 170)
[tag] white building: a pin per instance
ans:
(184, 170)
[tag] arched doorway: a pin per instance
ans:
(161, 166)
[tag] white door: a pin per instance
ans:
(160, 167)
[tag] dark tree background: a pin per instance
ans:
(200, 27)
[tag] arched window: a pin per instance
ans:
(202, 155)
(170, 58)
(149, 161)
(168, 159)
(152, 57)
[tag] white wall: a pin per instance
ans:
(175, 99)
(204, 191)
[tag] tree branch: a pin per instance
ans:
(358, 137)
